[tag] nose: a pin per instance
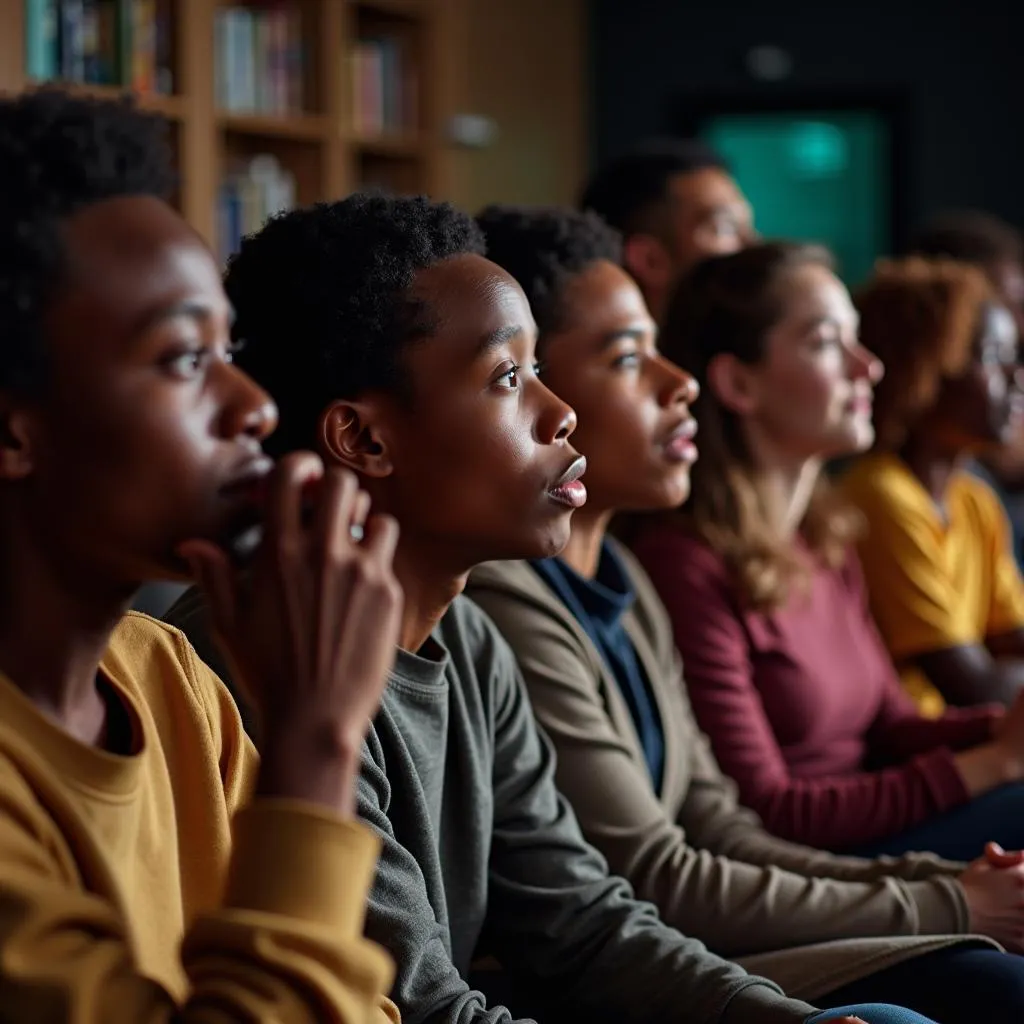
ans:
(556, 419)
(678, 386)
(247, 408)
(865, 364)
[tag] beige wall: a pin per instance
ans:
(523, 64)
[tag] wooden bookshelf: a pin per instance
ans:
(336, 93)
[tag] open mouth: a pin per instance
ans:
(679, 446)
(570, 489)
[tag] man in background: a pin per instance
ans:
(675, 203)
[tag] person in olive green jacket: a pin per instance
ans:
(595, 647)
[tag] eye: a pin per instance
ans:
(627, 361)
(187, 364)
(509, 380)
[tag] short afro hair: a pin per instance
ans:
(970, 236)
(58, 154)
(323, 303)
(629, 190)
(921, 318)
(543, 247)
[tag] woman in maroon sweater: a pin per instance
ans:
(785, 670)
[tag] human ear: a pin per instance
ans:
(734, 384)
(648, 261)
(351, 436)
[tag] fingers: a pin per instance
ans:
(336, 507)
(380, 537)
(284, 501)
(997, 857)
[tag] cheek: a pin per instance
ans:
(807, 396)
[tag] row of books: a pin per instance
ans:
(101, 42)
(385, 96)
(260, 60)
(251, 193)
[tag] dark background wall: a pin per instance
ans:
(953, 70)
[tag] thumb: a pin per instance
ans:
(997, 857)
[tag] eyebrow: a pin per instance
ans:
(626, 334)
(502, 336)
(189, 308)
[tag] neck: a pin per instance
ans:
(583, 552)
(54, 629)
(786, 482)
(932, 464)
(429, 588)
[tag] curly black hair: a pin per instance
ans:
(323, 302)
(629, 190)
(58, 154)
(542, 247)
(970, 236)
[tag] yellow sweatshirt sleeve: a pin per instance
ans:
(284, 946)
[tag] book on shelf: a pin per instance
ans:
(384, 88)
(121, 43)
(260, 60)
(251, 193)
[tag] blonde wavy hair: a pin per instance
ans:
(729, 305)
(920, 317)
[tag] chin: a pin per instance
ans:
(552, 541)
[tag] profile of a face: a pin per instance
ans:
(810, 394)
(984, 405)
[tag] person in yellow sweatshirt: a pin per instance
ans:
(150, 870)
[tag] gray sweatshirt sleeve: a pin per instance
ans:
(557, 916)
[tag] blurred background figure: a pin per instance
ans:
(675, 203)
(945, 589)
(997, 249)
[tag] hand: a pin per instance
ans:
(994, 889)
(999, 761)
(310, 628)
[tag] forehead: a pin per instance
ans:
(127, 259)
(814, 292)
(603, 298)
(704, 190)
(471, 298)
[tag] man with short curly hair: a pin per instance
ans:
(151, 869)
(676, 204)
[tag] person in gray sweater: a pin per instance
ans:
(390, 343)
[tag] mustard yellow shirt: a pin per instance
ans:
(124, 897)
(933, 583)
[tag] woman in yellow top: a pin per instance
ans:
(944, 586)
(140, 878)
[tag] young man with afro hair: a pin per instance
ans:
(150, 869)
(395, 346)
(675, 203)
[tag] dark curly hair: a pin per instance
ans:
(921, 318)
(58, 154)
(630, 191)
(970, 236)
(324, 305)
(542, 247)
